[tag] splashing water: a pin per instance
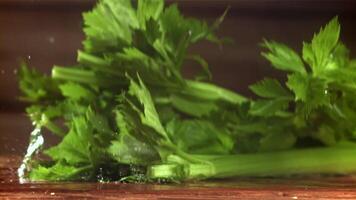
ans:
(36, 142)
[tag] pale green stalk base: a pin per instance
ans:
(329, 160)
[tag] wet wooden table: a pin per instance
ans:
(311, 188)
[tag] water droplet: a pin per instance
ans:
(51, 40)
(15, 71)
(326, 92)
(52, 193)
(29, 57)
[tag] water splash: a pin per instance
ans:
(36, 142)
(100, 176)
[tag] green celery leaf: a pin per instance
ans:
(269, 88)
(127, 149)
(153, 70)
(277, 101)
(193, 107)
(299, 84)
(98, 121)
(60, 172)
(152, 32)
(269, 107)
(339, 58)
(76, 92)
(149, 115)
(323, 43)
(109, 26)
(42, 115)
(149, 9)
(345, 76)
(310, 90)
(199, 137)
(308, 55)
(102, 132)
(35, 112)
(176, 39)
(282, 57)
(75, 146)
(197, 30)
(85, 143)
(36, 86)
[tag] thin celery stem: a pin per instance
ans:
(71, 74)
(212, 92)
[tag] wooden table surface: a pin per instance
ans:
(296, 188)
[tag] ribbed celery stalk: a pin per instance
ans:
(327, 160)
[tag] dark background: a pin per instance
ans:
(47, 32)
